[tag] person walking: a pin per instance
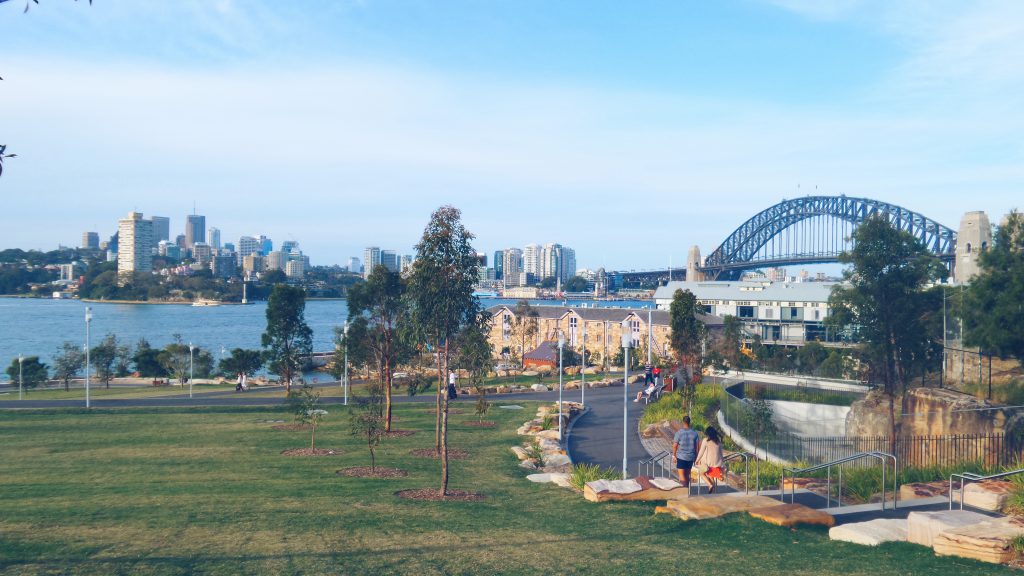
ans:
(685, 444)
(452, 391)
(710, 459)
(648, 374)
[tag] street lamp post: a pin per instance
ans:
(561, 344)
(627, 338)
(583, 368)
(21, 379)
(344, 382)
(88, 320)
(190, 370)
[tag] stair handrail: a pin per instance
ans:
(966, 477)
(651, 461)
(746, 470)
(882, 457)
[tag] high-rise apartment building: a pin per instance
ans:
(353, 265)
(276, 260)
(512, 267)
(550, 261)
(371, 258)
(195, 230)
(214, 238)
(266, 245)
(90, 240)
(253, 263)
(202, 252)
(567, 265)
(499, 263)
(180, 241)
(224, 266)
(405, 263)
(295, 268)
(389, 260)
(248, 245)
(134, 245)
(161, 228)
(532, 255)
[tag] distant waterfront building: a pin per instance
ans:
(389, 260)
(90, 241)
(290, 246)
(371, 258)
(161, 228)
(354, 266)
(168, 250)
(512, 267)
(195, 230)
(248, 245)
(214, 235)
(295, 268)
(253, 263)
(113, 242)
(550, 261)
(973, 238)
(67, 272)
(405, 264)
(135, 245)
(181, 242)
(229, 247)
(266, 245)
(499, 263)
(202, 252)
(276, 260)
(224, 266)
(532, 257)
(567, 264)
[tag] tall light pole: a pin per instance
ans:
(21, 379)
(650, 336)
(627, 338)
(88, 320)
(583, 367)
(345, 381)
(190, 371)
(561, 344)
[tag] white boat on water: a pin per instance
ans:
(206, 303)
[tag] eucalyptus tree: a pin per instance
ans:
(288, 340)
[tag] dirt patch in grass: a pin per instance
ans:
(434, 495)
(450, 411)
(453, 453)
(312, 452)
(479, 424)
(399, 433)
(378, 472)
(291, 427)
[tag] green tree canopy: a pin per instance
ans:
(68, 362)
(29, 373)
(288, 340)
(147, 360)
(688, 332)
(103, 358)
(242, 361)
(994, 316)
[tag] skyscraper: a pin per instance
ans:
(371, 258)
(550, 261)
(567, 265)
(389, 260)
(214, 235)
(135, 245)
(532, 260)
(512, 266)
(90, 240)
(195, 230)
(354, 266)
(248, 245)
(161, 228)
(499, 263)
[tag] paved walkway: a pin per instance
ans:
(597, 435)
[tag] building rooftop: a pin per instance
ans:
(779, 291)
(658, 317)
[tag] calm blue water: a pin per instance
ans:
(38, 327)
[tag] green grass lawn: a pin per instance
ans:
(96, 390)
(206, 491)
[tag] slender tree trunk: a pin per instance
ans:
(442, 385)
(66, 387)
(387, 394)
(373, 459)
(312, 439)
(444, 433)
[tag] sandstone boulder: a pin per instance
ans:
(916, 490)
(530, 464)
(714, 505)
(598, 384)
(559, 478)
(986, 495)
(529, 373)
(792, 514)
(639, 488)
(520, 452)
(990, 541)
(923, 527)
(871, 533)
(539, 388)
(548, 434)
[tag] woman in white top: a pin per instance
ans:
(710, 459)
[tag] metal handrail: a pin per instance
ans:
(972, 477)
(746, 470)
(650, 462)
(827, 466)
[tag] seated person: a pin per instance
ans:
(646, 392)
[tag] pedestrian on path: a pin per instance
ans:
(685, 444)
(710, 459)
(648, 374)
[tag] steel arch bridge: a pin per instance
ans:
(815, 230)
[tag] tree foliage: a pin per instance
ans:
(103, 357)
(242, 362)
(147, 360)
(994, 315)
(524, 328)
(29, 373)
(68, 362)
(288, 340)
(367, 420)
(688, 334)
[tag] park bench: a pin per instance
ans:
(655, 394)
(161, 382)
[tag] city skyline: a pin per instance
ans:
(688, 123)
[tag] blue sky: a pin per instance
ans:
(629, 131)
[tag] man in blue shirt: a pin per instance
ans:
(684, 450)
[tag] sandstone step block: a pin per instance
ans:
(923, 527)
(988, 495)
(714, 505)
(990, 541)
(790, 515)
(916, 490)
(641, 488)
(871, 533)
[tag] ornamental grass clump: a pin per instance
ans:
(583, 473)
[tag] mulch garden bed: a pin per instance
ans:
(366, 472)
(313, 452)
(453, 453)
(399, 433)
(291, 427)
(479, 424)
(433, 494)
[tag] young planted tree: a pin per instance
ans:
(29, 373)
(687, 341)
(288, 339)
(175, 360)
(304, 403)
(994, 315)
(67, 363)
(525, 325)
(368, 420)
(147, 360)
(760, 421)
(883, 298)
(103, 356)
(476, 356)
(730, 346)
(381, 304)
(441, 286)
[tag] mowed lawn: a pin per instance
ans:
(207, 491)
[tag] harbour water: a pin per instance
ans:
(38, 327)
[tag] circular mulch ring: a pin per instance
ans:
(312, 452)
(291, 427)
(450, 411)
(453, 453)
(399, 433)
(479, 424)
(433, 495)
(366, 472)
